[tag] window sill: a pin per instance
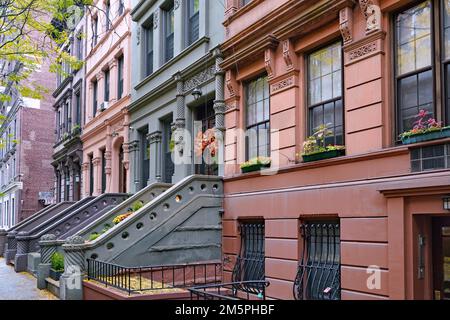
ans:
(169, 63)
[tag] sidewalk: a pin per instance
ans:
(19, 286)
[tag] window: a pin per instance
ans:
(78, 108)
(91, 175)
(108, 15)
(250, 262)
(120, 78)
(318, 276)
(169, 33)
(325, 92)
(67, 186)
(79, 47)
(94, 31)
(94, 98)
(103, 171)
(257, 101)
(245, 2)
(148, 30)
(192, 21)
(414, 65)
(13, 211)
(107, 83)
(430, 158)
(121, 8)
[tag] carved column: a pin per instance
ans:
(113, 80)
(180, 119)
(96, 162)
(85, 182)
(133, 148)
(89, 98)
(219, 109)
(108, 159)
(155, 139)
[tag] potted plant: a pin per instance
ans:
(314, 148)
(76, 129)
(425, 129)
(255, 164)
(57, 266)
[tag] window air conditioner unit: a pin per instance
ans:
(104, 106)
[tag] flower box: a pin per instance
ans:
(432, 135)
(323, 155)
(254, 167)
(55, 275)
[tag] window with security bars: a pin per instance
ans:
(318, 275)
(430, 158)
(250, 262)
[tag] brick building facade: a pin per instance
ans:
(321, 229)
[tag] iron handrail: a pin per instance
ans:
(229, 291)
(157, 277)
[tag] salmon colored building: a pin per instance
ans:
(371, 223)
(105, 134)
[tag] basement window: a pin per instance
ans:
(319, 271)
(430, 158)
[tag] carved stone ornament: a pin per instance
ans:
(287, 54)
(200, 78)
(74, 240)
(268, 62)
(229, 84)
(346, 24)
(372, 13)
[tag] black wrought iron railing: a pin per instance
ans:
(318, 276)
(150, 278)
(230, 291)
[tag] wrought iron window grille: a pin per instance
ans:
(319, 270)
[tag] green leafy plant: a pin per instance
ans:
(262, 161)
(316, 143)
(137, 205)
(423, 124)
(94, 236)
(57, 262)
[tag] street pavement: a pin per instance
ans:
(20, 286)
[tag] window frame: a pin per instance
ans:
(94, 97)
(107, 89)
(398, 129)
(256, 124)
(309, 129)
(167, 10)
(120, 77)
(148, 30)
(188, 23)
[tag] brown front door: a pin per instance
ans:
(441, 258)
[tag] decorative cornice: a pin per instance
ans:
(199, 79)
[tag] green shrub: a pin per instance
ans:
(57, 262)
(94, 236)
(137, 206)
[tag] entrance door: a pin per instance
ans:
(169, 167)
(122, 173)
(441, 258)
(205, 115)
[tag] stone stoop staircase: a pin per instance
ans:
(181, 225)
(28, 224)
(81, 212)
(51, 243)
